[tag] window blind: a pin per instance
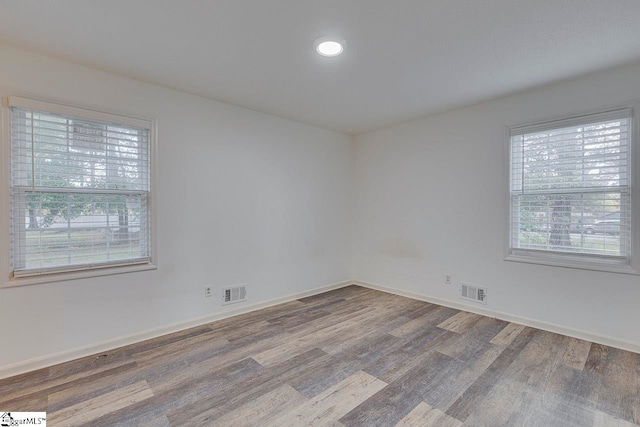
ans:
(570, 188)
(79, 192)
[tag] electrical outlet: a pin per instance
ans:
(207, 291)
(447, 279)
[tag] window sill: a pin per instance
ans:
(555, 262)
(83, 274)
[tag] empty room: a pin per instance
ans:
(320, 213)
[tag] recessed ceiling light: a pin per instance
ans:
(329, 46)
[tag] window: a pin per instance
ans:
(80, 186)
(570, 184)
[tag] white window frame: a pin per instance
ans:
(578, 261)
(7, 277)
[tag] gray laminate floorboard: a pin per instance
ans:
(349, 357)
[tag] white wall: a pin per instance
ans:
(270, 205)
(430, 199)
(243, 197)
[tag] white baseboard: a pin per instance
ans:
(68, 355)
(538, 324)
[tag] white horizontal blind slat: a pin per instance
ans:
(79, 192)
(570, 188)
(66, 110)
(559, 124)
(81, 155)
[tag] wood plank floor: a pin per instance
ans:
(349, 357)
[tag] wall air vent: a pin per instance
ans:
(234, 294)
(473, 293)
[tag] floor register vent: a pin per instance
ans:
(473, 293)
(234, 294)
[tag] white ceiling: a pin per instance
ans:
(405, 58)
